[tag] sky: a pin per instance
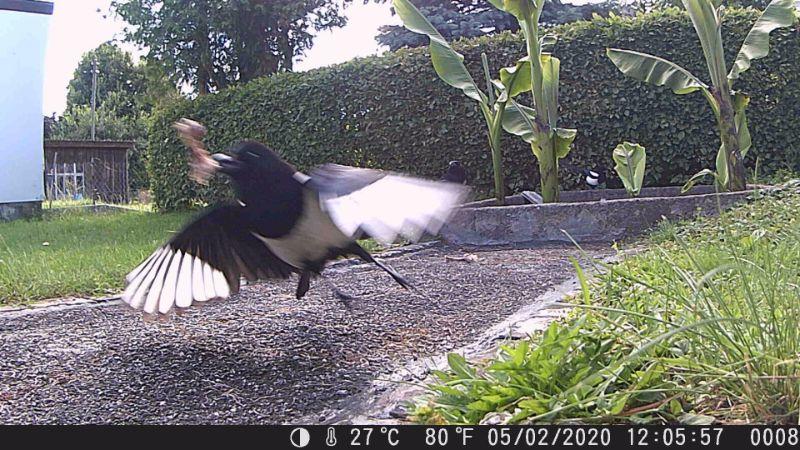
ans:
(77, 27)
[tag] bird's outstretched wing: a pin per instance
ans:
(384, 205)
(204, 261)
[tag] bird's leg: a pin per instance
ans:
(364, 255)
(344, 298)
(303, 285)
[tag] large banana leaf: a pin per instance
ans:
(630, 165)
(721, 175)
(521, 9)
(448, 63)
(654, 70)
(778, 14)
(516, 80)
(519, 121)
(704, 15)
(550, 71)
(740, 102)
(563, 140)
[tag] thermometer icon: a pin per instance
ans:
(330, 439)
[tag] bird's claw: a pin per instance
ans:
(201, 165)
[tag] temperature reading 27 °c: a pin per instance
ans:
(363, 436)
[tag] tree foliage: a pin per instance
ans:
(456, 19)
(116, 74)
(127, 94)
(212, 44)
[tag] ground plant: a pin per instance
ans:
(727, 104)
(630, 161)
(449, 66)
(699, 328)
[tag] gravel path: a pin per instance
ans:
(261, 357)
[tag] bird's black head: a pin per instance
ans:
(454, 164)
(255, 169)
(251, 159)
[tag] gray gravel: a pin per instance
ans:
(262, 356)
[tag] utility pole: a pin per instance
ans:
(94, 94)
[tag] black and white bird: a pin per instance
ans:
(594, 178)
(284, 222)
(455, 173)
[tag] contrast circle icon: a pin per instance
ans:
(299, 437)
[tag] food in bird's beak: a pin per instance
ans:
(201, 165)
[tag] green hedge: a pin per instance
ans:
(393, 112)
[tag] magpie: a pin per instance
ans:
(283, 222)
(594, 178)
(455, 173)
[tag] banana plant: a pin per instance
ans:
(630, 164)
(727, 104)
(537, 125)
(449, 66)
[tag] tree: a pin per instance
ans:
(127, 93)
(116, 73)
(212, 44)
(76, 124)
(456, 19)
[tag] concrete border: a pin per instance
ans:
(20, 210)
(586, 219)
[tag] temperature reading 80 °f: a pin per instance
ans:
(441, 436)
(363, 436)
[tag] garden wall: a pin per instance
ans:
(393, 112)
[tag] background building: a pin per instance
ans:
(23, 37)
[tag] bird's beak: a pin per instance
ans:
(227, 164)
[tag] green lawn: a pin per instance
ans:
(700, 327)
(77, 253)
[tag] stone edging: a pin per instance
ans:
(594, 221)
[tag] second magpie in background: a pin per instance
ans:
(283, 222)
(592, 178)
(455, 173)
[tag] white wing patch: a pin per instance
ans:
(170, 278)
(394, 206)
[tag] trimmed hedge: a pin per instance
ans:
(393, 112)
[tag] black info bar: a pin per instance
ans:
(419, 436)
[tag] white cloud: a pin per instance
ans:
(357, 38)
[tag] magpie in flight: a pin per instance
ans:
(284, 222)
(455, 173)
